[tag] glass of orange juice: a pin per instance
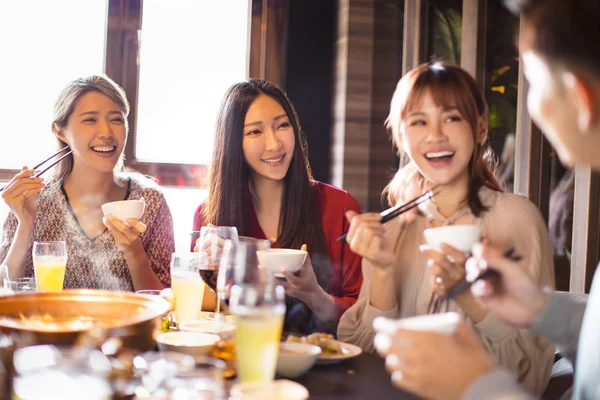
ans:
(49, 265)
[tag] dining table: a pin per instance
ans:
(362, 377)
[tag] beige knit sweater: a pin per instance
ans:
(511, 220)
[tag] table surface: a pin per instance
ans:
(363, 377)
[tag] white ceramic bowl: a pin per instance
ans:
(192, 343)
(461, 237)
(223, 329)
(445, 323)
(295, 359)
(277, 259)
(125, 209)
(280, 389)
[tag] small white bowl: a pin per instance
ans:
(461, 237)
(191, 343)
(210, 316)
(277, 259)
(295, 359)
(280, 389)
(223, 329)
(125, 209)
(445, 323)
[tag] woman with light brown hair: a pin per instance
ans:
(90, 116)
(439, 122)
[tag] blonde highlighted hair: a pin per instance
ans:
(65, 105)
(449, 85)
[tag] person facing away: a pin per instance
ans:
(558, 46)
(439, 121)
(260, 182)
(90, 117)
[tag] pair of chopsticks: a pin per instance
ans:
(395, 211)
(38, 173)
(487, 274)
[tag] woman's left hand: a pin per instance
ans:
(447, 267)
(303, 285)
(126, 237)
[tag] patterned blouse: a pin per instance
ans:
(97, 263)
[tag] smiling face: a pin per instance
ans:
(439, 140)
(269, 139)
(96, 131)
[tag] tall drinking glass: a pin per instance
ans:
(49, 264)
(258, 311)
(187, 285)
(211, 241)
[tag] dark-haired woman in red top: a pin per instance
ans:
(260, 182)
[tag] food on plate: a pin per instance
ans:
(166, 324)
(225, 350)
(325, 341)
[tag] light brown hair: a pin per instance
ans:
(449, 85)
(65, 105)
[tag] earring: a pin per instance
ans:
(583, 122)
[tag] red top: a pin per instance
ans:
(346, 266)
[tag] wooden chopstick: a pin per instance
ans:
(395, 211)
(51, 165)
(51, 157)
(36, 173)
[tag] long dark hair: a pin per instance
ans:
(449, 85)
(229, 176)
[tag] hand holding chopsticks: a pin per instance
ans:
(396, 211)
(38, 173)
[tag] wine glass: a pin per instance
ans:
(211, 241)
(239, 264)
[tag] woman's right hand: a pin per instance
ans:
(366, 237)
(21, 195)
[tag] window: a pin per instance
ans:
(184, 75)
(182, 204)
(445, 23)
(41, 52)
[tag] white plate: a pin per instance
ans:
(348, 351)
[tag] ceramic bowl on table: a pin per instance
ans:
(295, 359)
(275, 260)
(445, 323)
(191, 343)
(124, 209)
(224, 329)
(280, 389)
(461, 237)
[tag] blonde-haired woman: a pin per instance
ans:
(90, 116)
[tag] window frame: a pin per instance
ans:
(266, 55)
(266, 49)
